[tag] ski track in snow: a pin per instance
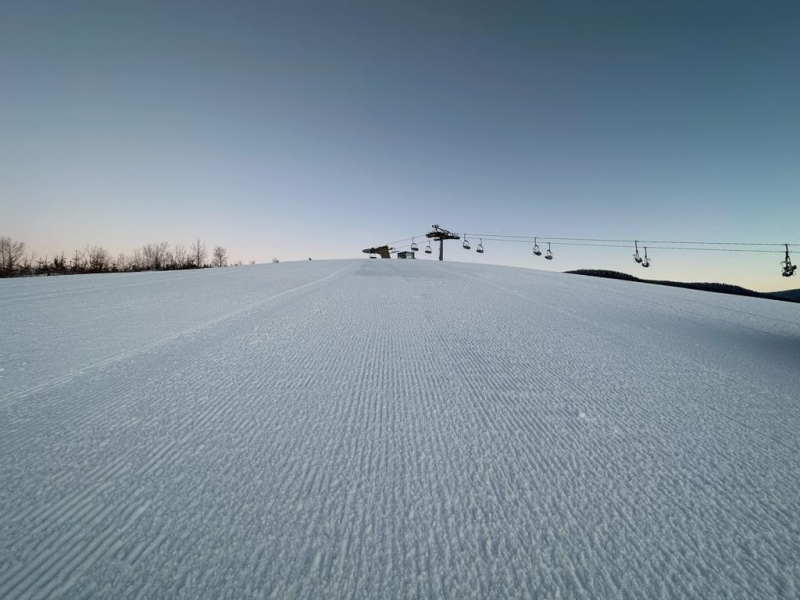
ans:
(366, 429)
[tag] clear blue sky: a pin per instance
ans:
(318, 128)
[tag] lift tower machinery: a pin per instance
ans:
(441, 234)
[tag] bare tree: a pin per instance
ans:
(179, 256)
(11, 252)
(220, 257)
(122, 262)
(136, 261)
(26, 264)
(163, 255)
(198, 253)
(97, 258)
(76, 263)
(148, 255)
(155, 255)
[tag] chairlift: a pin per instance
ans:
(373, 256)
(479, 249)
(548, 255)
(414, 247)
(428, 249)
(536, 250)
(786, 263)
(645, 259)
(465, 244)
(636, 257)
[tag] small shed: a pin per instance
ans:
(405, 254)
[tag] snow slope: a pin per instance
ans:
(395, 429)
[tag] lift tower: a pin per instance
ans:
(441, 234)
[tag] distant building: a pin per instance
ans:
(405, 254)
(382, 251)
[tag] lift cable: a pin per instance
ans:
(422, 235)
(632, 246)
(528, 238)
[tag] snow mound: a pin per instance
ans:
(394, 429)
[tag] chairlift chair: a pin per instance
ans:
(536, 250)
(786, 263)
(645, 259)
(548, 255)
(414, 247)
(479, 249)
(428, 249)
(636, 257)
(465, 244)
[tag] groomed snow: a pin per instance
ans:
(395, 429)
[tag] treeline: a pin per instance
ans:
(15, 262)
(720, 288)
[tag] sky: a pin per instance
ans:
(316, 129)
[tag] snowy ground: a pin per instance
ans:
(390, 429)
